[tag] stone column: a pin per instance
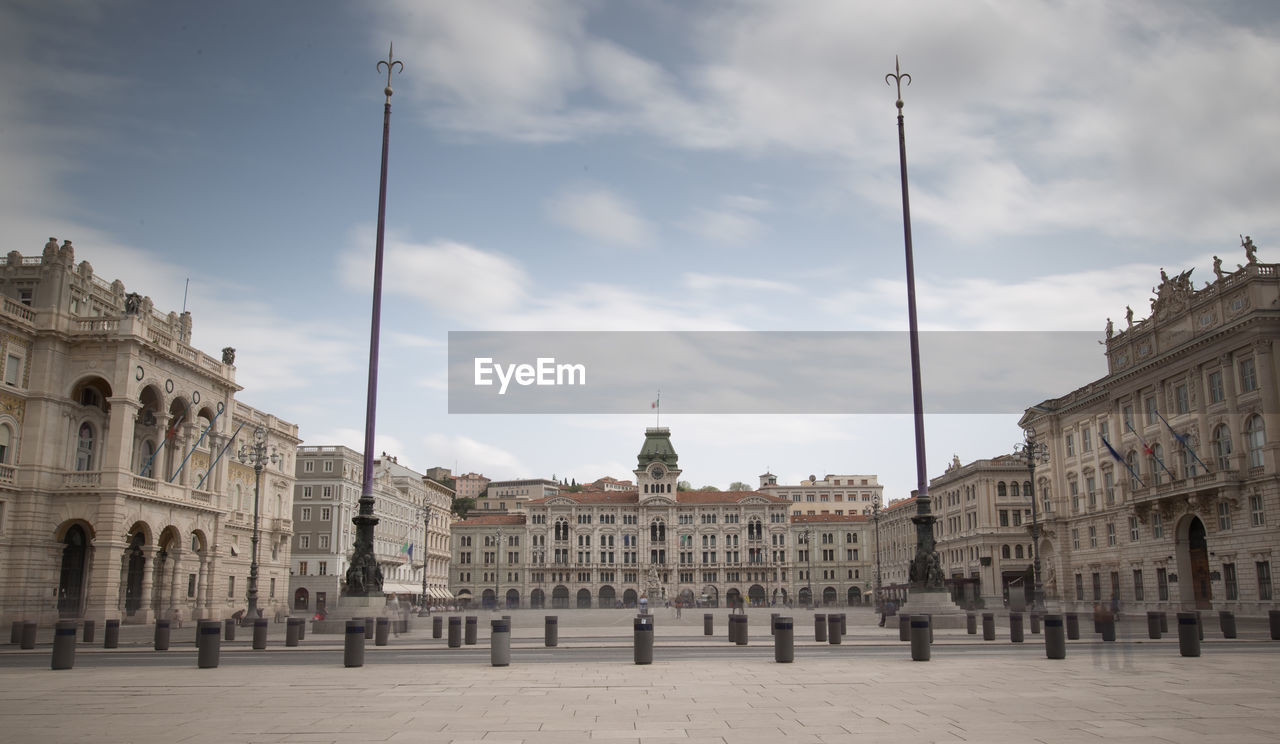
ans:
(145, 613)
(118, 439)
(103, 587)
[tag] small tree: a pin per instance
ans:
(739, 486)
(708, 488)
(462, 505)
(684, 486)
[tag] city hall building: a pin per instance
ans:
(121, 496)
(656, 542)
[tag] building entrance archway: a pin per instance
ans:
(71, 578)
(1193, 563)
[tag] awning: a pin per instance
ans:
(434, 593)
(389, 587)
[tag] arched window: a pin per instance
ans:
(1222, 446)
(1017, 551)
(145, 466)
(1013, 489)
(1001, 490)
(6, 441)
(1004, 551)
(1026, 489)
(84, 448)
(1255, 436)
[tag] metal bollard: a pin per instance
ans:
(920, 648)
(368, 628)
(89, 627)
(904, 626)
(643, 640)
(833, 629)
(1107, 626)
(742, 630)
(708, 624)
(1227, 621)
(551, 631)
(455, 631)
(111, 634)
(353, 649)
(28, 639)
(161, 640)
(15, 632)
(988, 626)
(971, 623)
(290, 632)
(1188, 634)
(64, 644)
(731, 628)
(1035, 623)
(302, 629)
(784, 640)
(230, 633)
(260, 634)
(1015, 627)
(1273, 617)
(1055, 639)
(469, 634)
(1153, 625)
(820, 627)
(773, 620)
(210, 646)
(437, 626)
(382, 629)
(500, 642)
(1073, 626)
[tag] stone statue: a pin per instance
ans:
(132, 303)
(1110, 329)
(228, 355)
(1217, 267)
(1250, 251)
(1164, 278)
(1128, 315)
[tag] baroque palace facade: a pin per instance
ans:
(120, 493)
(612, 548)
(1186, 512)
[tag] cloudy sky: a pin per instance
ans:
(634, 166)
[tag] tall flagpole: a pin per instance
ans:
(926, 570)
(364, 577)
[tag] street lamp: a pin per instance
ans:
(497, 568)
(424, 511)
(1033, 452)
(256, 455)
(875, 517)
(808, 549)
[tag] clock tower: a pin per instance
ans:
(657, 470)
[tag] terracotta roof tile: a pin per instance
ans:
(491, 519)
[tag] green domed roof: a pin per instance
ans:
(657, 446)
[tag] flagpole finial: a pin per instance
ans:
(897, 76)
(390, 62)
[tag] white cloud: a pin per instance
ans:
(599, 214)
(723, 226)
(473, 454)
(713, 282)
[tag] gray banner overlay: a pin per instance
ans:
(764, 372)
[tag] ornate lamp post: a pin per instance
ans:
(808, 549)
(257, 456)
(1032, 452)
(875, 518)
(424, 511)
(497, 567)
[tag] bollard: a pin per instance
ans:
(1273, 616)
(773, 620)
(930, 616)
(455, 631)
(1188, 635)
(731, 628)
(1153, 625)
(290, 632)
(260, 634)
(784, 640)
(28, 639)
(1035, 623)
(368, 628)
(382, 628)
(1199, 626)
(353, 648)
(920, 637)
(89, 627)
(708, 624)
(469, 633)
(437, 626)
(230, 633)
(1015, 627)
(988, 626)
(111, 634)
(210, 648)
(971, 623)
(302, 629)
(1164, 622)
(551, 631)
(15, 632)
(1227, 621)
(643, 640)
(904, 626)
(742, 630)
(1107, 626)
(500, 642)
(820, 627)
(64, 644)
(833, 629)
(1055, 640)
(844, 627)
(1073, 626)
(162, 635)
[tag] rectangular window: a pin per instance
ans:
(1004, 517)
(1128, 416)
(1115, 584)
(306, 490)
(1229, 580)
(306, 514)
(323, 568)
(308, 466)
(326, 513)
(1182, 404)
(231, 587)
(1090, 487)
(1264, 580)
(191, 585)
(1216, 392)
(1255, 511)
(1111, 534)
(1017, 518)
(1138, 593)
(1086, 442)
(1079, 588)
(1104, 429)
(304, 541)
(1248, 377)
(1071, 445)
(1109, 487)
(1149, 405)
(1097, 587)
(1133, 529)
(271, 592)
(323, 542)
(1093, 536)
(1075, 538)
(1074, 488)
(328, 466)
(12, 370)
(1157, 525)
(1224, 515)
(1162, 584)
(302, 568)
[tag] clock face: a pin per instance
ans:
(657, 471)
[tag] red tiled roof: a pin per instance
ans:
(487, 519)
(683, 497)
(798, 518)
(593, 497)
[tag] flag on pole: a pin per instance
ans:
(1150, 450)
(1121, 460)
(410, 551)
(1182, 440)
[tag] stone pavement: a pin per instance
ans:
(1229, 695)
